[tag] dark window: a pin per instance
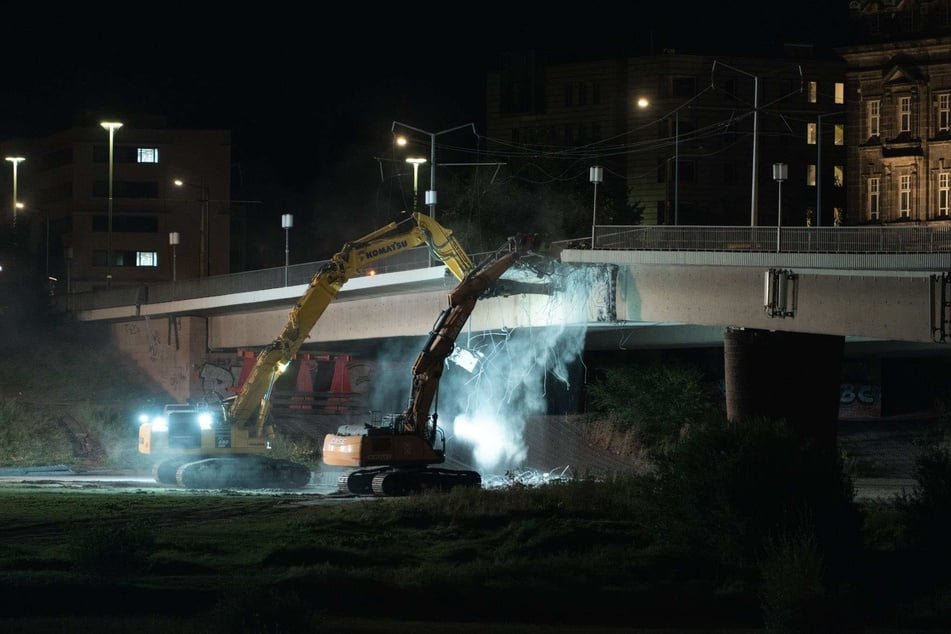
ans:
(119, 258)
(120, 153)
(729, 173)
(661, 170)
(55, 159)
(582, 94)
(729, 87)
(683, 87)
(687, 172)
(125, 223)
(126, 189)
(569, 95)
(596, 131)
(515, 135)
(595, 93)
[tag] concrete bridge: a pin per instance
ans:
(781, 303)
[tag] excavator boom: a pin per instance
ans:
(323, 289)
(213, 447)
(395, 458)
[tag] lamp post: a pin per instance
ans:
(173, 240)
(643, 103)
(754, 193)
(431, 192)
(780, 173)
(15, 160)
(287, 221)
(416, 162)
(111, 126)
(204, 229)
(68, 256)
(595, 175)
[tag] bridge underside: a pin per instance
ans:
(782, 329)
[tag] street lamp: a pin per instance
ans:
(754, 193)
(431, 193)
(111, 126)
(16, 160)
(780, 173)
(416, 162)
(204, 231)
(68, 256)
(595, 175)
(287, 221)
(173, 240)
(643, 103)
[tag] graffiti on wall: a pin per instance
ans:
(857, 400)
(216, 379)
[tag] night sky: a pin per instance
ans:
(310, 97)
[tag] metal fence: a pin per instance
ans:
(879, 239)
(839, 240)
(261, 279)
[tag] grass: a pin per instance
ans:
(568, 555)
(733, 528)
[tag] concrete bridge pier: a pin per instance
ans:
(789, 375)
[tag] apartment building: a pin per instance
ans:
(149, 230)
(691, 138)
(898, 86)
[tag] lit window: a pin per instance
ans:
(873, 200)
(147, 155)
(838, 175)
(904, 195)
(839, 134)
(944, 111)
(811, 133)
(146, 258)
(904, 114)
(839, 92)
(872, 117)
(811, 175)
(813, 90)
(943, 188)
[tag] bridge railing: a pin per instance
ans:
(878, 239)
(261, 279)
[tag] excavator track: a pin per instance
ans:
(358, 482)
(401, 482)
(239, 472)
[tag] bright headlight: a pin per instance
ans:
(204, 420)
(159, 423)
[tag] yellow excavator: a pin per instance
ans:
(394, 458)
(224, 444)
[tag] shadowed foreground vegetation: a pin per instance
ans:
(734, 526)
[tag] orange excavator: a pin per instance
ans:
(395, 457)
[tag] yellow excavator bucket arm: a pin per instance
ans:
(323, 289)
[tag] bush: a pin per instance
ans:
(657, 402)
(793, 595)
(727, 489)
(926, 511)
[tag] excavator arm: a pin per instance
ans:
(429, 365)
(322, 290)
(396, 457)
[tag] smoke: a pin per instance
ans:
(504, 377)
(494, 382)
